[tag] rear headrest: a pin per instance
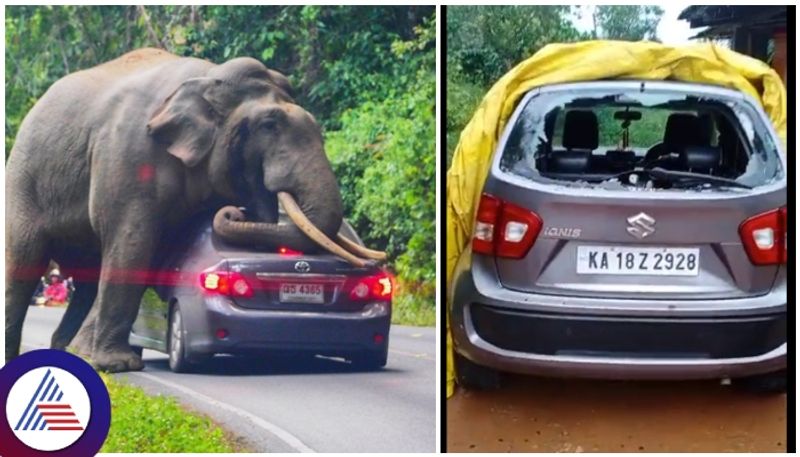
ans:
(701, 158)
(687, 129)
(569, 161)
(580, 130)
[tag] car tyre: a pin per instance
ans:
(770, 383)
(179, 356)
(370, 360)
(473, 376)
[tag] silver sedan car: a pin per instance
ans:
(207, 297)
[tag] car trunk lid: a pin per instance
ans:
(634, 244)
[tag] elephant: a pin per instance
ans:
(111, 159)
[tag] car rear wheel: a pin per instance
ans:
(770, 383)
(179, 356)
(473, 376)
(370, 360)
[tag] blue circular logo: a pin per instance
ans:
(54, 403)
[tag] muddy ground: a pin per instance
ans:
(550, 415)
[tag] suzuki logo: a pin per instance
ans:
(302, 267)
(641, 225)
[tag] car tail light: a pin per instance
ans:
(376, 287)
(485, 222)
(226, 283)
(504, 229)
(764, 237)
(288, 252)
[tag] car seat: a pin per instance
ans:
(580, 137)
(681, 130)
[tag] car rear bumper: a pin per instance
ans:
(254, 331)
(527, 336)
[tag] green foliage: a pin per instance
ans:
(385, 156)
(366, 73)
(626, 22)
(485, 42)
(142, 423)
(463, 97)
(332, 55)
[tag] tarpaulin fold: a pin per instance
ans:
(586, 61)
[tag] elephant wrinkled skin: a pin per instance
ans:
(113, 158)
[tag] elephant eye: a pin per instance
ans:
(269, 125)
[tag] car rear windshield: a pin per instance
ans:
(638, 139)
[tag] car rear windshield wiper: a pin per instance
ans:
(685, 176)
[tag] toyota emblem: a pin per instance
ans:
(302, 267)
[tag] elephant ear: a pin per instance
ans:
(187, 122)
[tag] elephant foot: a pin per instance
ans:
(58, 343)
(81, 345)
(117, 361)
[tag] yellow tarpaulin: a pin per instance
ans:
(589, 60)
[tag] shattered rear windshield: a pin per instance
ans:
(588, 138)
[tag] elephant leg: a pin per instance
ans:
(25, 265)
(126, 259)
(83, 342)
(78, 309)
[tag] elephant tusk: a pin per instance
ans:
(357, 249)
(301, 221)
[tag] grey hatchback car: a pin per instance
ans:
(207, 297)
(628, 230)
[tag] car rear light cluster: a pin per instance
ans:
(232, 284)
(504, 229)
(376, 287)
(764, 237)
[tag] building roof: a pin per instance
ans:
(722, 20)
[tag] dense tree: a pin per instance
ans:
(484, 42)
(626, 22)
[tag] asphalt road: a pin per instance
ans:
(306, 405)
(532, 414)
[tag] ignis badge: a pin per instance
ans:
(55, 404)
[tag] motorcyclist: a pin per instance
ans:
(56, 292)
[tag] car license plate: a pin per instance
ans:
(614, 260)
(301, 293)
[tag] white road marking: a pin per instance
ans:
(290, 440)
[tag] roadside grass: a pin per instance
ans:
(414, 309)
(141, 423)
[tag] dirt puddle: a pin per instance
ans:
(549, 415)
